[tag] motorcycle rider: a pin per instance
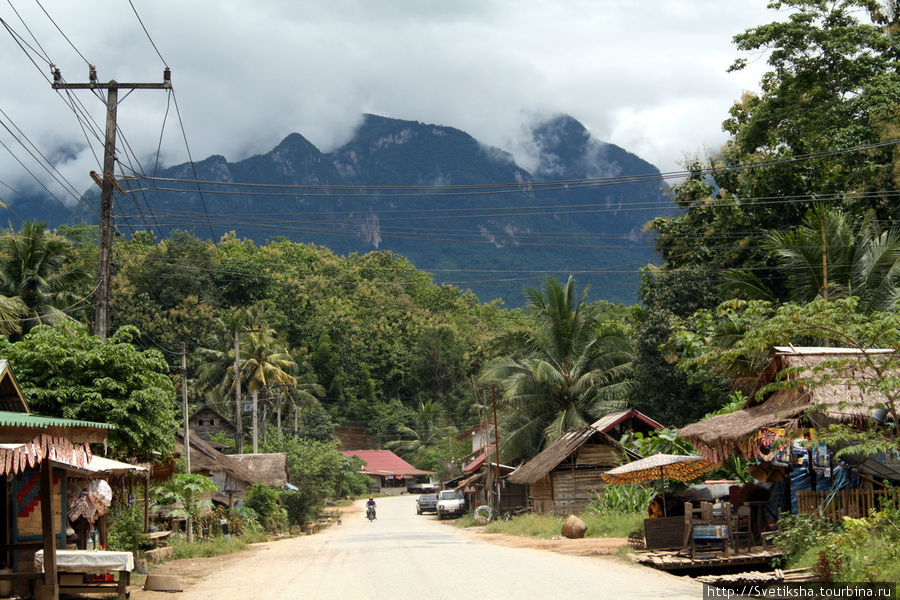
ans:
(370, 506)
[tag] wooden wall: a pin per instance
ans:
(570, 487)
(207, 423)
(573, 490)
(541, 493)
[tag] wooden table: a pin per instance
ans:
(92, 562)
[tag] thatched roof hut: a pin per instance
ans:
(229, 474)
(270, 468)
(821, 386)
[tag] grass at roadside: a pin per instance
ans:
(547, 526)
(215, 546)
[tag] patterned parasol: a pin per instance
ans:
(660, 466)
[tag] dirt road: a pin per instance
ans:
(405, 555)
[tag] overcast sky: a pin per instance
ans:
(649, 76)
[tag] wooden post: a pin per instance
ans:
(255, 422)
(496, 447)
(49, 590)
(147, 503)
(184, 408)
(238, 409)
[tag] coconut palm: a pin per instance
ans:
(267, 364)
(12, 312)
(567, 375)
(37, 272)
(829, 256)
(430, 426)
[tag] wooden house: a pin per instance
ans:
(232, 476)
(565, 476)
(207, 422)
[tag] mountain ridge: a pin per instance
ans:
(477, 238)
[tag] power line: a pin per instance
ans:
(193, 165)
(531, 186)
(147, 33)
(63, 33)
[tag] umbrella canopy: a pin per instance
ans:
(660, 466)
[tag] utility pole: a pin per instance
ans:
(496, 444)
(184, 409)
(255, 422)
(108, 182)
(238, 409)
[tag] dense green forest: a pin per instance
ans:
(788, 233)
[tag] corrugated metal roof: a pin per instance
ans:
(384, 462)
(606, 423)
(17, 419)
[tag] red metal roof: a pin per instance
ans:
(475, 464)
(384, 462)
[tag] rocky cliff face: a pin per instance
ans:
(489, 238)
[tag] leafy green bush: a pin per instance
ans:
(127, 532)
(801, 532)
(263, 500)
(864, 550)
(244, 521)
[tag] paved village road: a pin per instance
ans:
(403, 555)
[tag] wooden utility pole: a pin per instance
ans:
(238, 409)
(496, 443)
(184, 410)
(824, 257)
(255, 422)
(108, 182)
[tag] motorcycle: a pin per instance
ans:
(370, 513)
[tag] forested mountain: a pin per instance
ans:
(504, 232)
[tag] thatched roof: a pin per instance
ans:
(269, 468)
(206, 459)
(538, 467)
(839, 396)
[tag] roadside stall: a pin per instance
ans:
(778, 430)
(36, 455)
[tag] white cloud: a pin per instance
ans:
(649, 77)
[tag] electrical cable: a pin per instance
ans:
(38, 2)
(193, 165)
(147, 33)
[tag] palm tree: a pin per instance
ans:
(828, 256)
(430, 427)
(37, 272)
(12, 312)
(306, 390)
(267, 365)
(567, 374)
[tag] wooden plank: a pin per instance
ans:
(46, 489)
